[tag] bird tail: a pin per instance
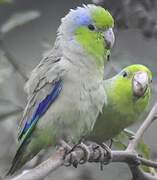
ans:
(18, 161)
(26, 151)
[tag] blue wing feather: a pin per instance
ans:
(43, 106)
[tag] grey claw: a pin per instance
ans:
(73, 159)
(104, 151)
(86, 152)
(108, 154)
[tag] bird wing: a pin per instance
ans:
(43, 88)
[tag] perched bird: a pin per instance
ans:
(128, 96)
(65, 91)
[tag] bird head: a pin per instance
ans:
(88, 30)
(138, 78)
(130, 90)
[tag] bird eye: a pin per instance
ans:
(108, 57)
(91, 27)
(124, 74)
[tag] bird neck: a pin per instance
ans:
(78, 57)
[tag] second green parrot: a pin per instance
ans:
(128, 96)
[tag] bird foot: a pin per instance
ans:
(104, 154)
(67, 149)
(73, 159)
(108, 154)
(86, 152)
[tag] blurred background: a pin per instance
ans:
(28, 30)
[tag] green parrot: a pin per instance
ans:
(128, 96)
(65, 91)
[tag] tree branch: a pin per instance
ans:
(44, 168)
(53, 163)
(150, 118)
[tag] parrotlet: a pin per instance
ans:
(128, 96)
(65, 91)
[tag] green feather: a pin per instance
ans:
(93, 43)
(102, 18)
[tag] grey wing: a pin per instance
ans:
(41, 82)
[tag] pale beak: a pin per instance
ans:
(109, 38)
(140, 83)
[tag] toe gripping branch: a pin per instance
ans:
(82, 153)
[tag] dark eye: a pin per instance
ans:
(124, 74)
(108, 57)
(91, 27)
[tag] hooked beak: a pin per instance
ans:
(109, 38)
(140, 83)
